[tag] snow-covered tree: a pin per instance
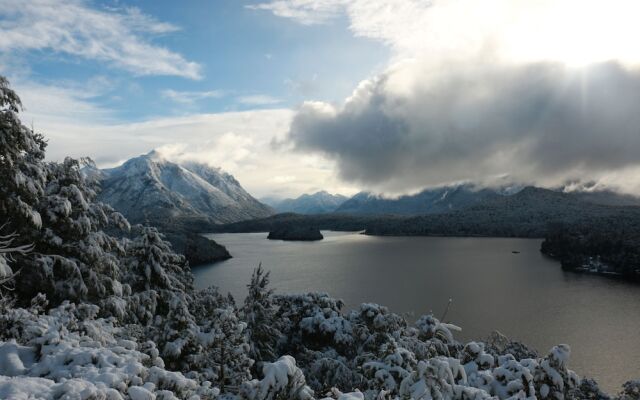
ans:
(630, 390)
(154, 265)
(282, 380)
(22, 172)
(259, 314)
(552, 378)
(497, 344)
(51, 206)
(74, 258)
(374, 326)
(589, 390)
(225, 355)
(313, 321)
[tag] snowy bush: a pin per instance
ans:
(282, 380)
(69, 352)
(551, 376)
(631, 390)
(327, 369)
(588, 390)
(498, 344)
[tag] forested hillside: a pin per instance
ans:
(431, 201)
(607, 246)
(88, 315)
(528, 213)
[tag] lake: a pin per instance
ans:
(524, 295)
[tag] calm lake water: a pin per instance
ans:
(526, 296)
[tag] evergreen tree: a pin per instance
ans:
(259, 313)
(22, 172)
(74, 258)
(224, 356)
(153, 265)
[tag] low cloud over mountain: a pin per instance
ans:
(419, 124)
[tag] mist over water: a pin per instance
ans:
(526, 296)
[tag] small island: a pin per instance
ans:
(304, 233)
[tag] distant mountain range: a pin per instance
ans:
(317, 203)
(185, 199)
(195, 196)
(526, 213)
(151, 189)
(429, 201)
(192, 197)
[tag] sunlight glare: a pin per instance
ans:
(576, 32)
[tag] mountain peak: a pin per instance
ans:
(150, 188)
(153, 154)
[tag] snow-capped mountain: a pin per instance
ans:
(316, 203)
(429, 201)
(149, 188)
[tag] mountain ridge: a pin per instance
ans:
(429, 201)
(320, 202)
(527, 213)
(149, 188)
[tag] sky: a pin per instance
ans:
(296, 96)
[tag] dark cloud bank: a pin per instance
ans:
(541, 123)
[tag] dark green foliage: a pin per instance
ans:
(604, 246)
(529, 213)
(587, 390)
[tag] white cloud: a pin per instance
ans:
(572, 31)
(540, 123)
(117, 36)
(64, 102)
(308, 12)
(258, 100)
(191, 97)
(238, 142)
(538, 90)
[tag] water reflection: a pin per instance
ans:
(525, 295)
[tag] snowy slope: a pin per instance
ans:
(150, 188)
